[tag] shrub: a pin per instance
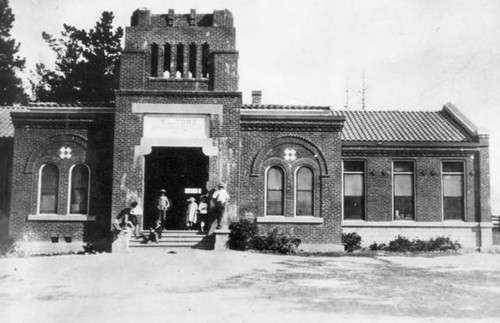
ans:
(377, 247)
(443, 244)
(403, 244)
(242, 234)
(277, 241)
(351, 241)
(400, 244)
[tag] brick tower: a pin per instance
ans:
(177, 110)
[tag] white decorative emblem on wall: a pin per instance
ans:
(65, 153)
(290, 154)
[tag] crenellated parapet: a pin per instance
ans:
(185, 52)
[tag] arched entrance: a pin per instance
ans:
(182, 172)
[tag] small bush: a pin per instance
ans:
(242, 234)
(400, 244)
(403, 244)
(351, 241)
(377, 247)
(277, 241)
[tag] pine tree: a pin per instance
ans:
(86, 64)
(11, 89)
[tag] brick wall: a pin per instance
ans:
(6, 147)
(35, 146)
(321, 152)
(379, 224)
(128, 178)
(216, 31)
(427, 184)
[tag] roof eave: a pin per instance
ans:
(454, 112)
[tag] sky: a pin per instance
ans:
(411, 54)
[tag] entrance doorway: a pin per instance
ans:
(182, 172)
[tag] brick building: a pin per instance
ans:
(179, 123)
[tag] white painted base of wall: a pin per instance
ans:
(47, 248)
(330, 247)
(468, 234)
(121, 241)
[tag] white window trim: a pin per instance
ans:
(414, 189)
(68, 209)
(464, 191)
(304, 219)
(61, 218)
(295, 192)
(265, 192)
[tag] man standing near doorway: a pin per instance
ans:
(162, 205)
(220, 197)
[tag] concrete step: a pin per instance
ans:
(175, 239)
(173, 244)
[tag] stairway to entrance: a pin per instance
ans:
(176, 239)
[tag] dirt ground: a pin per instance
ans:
(231, 286)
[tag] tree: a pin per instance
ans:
(85, 64)
(11, 89)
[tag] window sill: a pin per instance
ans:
(402, 224)
(287, 219)
(61, 218)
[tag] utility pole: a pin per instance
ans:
(346, 94)
(363, 91)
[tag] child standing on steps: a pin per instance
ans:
(192, 209)
(203, 212)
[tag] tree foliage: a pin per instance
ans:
(11, 89)
(86, 64)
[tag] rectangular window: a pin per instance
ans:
(403, 190)
(453, 190)
(354, 190)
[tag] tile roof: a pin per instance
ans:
(381, 126)
(447, 125)
(70, 105)
(6, 126)
(402, 126)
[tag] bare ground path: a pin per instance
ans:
(204, 286)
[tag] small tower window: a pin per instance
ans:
(154, 60)
(180, 61)
(167, 60)
(192, 61)
(204, 60)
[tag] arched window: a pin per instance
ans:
(275, 191)
(79, 190)
(304, 192)
(49, 188)
(154, 60)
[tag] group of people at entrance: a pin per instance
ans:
(210, 211)
(211, 207)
